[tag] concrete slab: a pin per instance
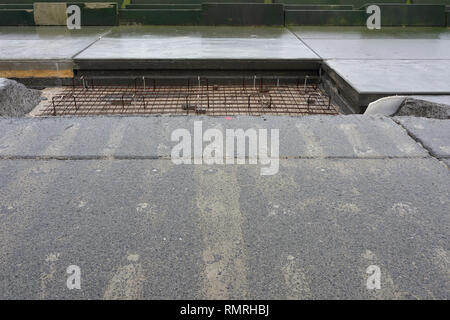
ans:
(42, 52)
(390, 77)
(328, 32)
(353, 136)
(39, 58)
(42, 49)
(447, 162)
(309, 232)
(434, 134)
(51, 33)
(195, 47)
(223, 32)
(379, 49)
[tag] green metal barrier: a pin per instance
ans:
(241, 12)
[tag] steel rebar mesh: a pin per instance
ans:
(216, 100)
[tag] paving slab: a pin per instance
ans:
(196, 47)
(194, 32)
(354, 136)
(153, 230)
(390, 77)
(434, 134)
(51, 33)
(42, 51)
(369, 64)
(328, 32)
(379, 49)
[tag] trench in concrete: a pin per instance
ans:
(194, 95)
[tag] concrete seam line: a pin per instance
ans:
(417, 139)
(304, 43)
(90, 45)
(167, 158)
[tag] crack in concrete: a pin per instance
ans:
(421, 143)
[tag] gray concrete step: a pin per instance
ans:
(353, 136)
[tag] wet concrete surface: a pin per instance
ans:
(42, 49)
(387, 61)
(413, 77)
(380, 49)
(334, 32)
(45, 43)
(195, 47)
(193, 32)
(147, 228)
(51, 33)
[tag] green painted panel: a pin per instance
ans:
(16, 17)
(248, 14)
(194, 1)
(160, 17)
(163, 6)
(79, 1)
(412, 15)
(326, 17)
(16, 6)
(100, 16)
(317, 7)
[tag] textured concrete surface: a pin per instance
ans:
(434, 134)
(423, 108)
(146, 228)
(443, 99)
(315, 136)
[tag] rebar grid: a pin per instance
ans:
(215, 100)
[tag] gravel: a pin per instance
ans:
(16, 100)
(422, 108)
